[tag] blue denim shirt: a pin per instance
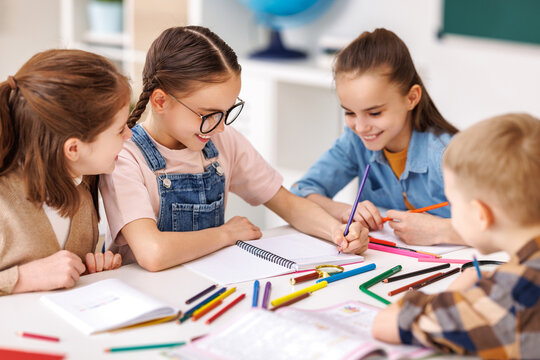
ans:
(421, 180)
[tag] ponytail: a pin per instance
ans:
(8, 132)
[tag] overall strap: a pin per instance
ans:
(210, 151)
(151, 154)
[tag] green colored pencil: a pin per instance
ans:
(364, 287)
(145, 347)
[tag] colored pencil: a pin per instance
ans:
(311, 288)
(144, 347)
(348, 273)
(393, 250)
(255, 300)
(440, 277)
(416, 273)
(408, 286)
(442, 260)
(427, 208)
(299, 279)
(190, 312)
(211, 303)
(475, 262)
(291, 301)
(355, 205)
(37, 336)
(203, 311)
(202, 293)
(266, 295)
(226, 308)
(408, 249)
(365, 286)
(381, 242)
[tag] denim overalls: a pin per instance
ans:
(187, 202)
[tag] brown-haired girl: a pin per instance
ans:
(62, 121)
(393, 125)
(165, 200)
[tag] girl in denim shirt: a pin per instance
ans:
(166, 199)
(393, 125)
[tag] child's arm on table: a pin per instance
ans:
(385, 326)
(60, 270)
(157, 250)
(310, 218)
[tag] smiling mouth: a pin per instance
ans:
(371, 137)
(203, 138)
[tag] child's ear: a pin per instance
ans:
(72, 149)
(158, 99)
(414, 96)
(483, 213)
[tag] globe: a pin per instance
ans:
(280, 14)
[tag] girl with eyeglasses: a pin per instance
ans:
(166, 199)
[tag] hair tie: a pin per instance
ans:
(12, 83)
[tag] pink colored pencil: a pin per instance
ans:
(392, 250)
(441, 260)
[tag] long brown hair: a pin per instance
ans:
(56, 95)
(183, 59)
(384, 49)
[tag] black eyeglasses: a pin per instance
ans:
(211, 121)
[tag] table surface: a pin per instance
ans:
(25, 312)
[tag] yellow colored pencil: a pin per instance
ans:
(308, 289)
(220, 297)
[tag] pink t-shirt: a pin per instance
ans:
(131, 191)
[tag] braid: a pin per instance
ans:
(141, 103)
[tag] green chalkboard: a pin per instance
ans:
(516, 20)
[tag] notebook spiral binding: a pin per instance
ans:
(267, 255)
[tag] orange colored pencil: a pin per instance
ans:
(206, 311)
(427, 208)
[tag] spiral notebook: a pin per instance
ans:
(257, 259)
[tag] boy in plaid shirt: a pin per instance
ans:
(491, 175)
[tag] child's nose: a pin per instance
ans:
(360, 125)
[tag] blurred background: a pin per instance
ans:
(477, 58)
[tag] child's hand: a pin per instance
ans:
(416, 228)
(465, 280)
(100, 262)
(367, 214)
(356, 241)
(60, 270)
(240, 228)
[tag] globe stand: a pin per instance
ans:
(276, 50)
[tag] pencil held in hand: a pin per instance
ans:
(427, 208)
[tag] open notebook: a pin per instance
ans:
(107, 305)
(339, 332)
(257, 259)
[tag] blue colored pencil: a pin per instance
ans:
(351, 217)
(255, 293)
(475, 262)
(190, 312)
(347, 274)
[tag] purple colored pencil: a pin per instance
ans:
(266, 295)
(351, 217)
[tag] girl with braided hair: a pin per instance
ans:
(165, 201)
(62, 122)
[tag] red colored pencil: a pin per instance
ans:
(381, 242)
(37, 336)
(230, 305)
(427, 208)
(407, 287)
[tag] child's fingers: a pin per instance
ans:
(107, 260)
(117, 261)
(368, 218)
(99, 261)
(90, 263)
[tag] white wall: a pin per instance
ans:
(26, 27)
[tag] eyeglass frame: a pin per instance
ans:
(224, 115)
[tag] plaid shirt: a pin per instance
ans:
(497, 318)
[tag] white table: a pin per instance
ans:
(24, 312)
